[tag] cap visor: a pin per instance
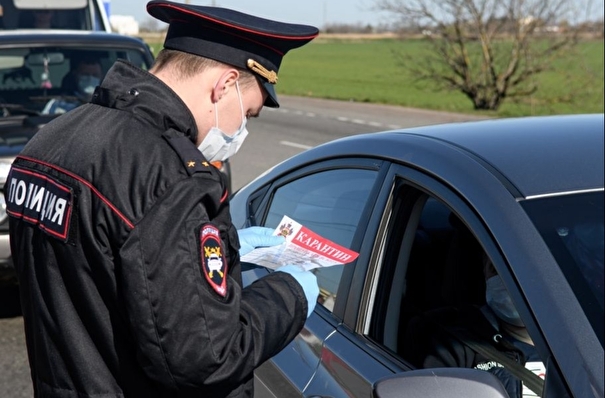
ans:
(271, 100)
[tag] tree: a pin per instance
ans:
(489, 50)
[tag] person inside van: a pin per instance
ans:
(78, 85)
(37, 19)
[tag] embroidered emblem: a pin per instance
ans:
(191, 163)
(214, 264)
(39, 200)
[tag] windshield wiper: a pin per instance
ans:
(9, 109)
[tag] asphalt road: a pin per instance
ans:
(14, 368)
(299, 123)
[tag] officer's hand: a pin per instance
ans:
(307, 280)
(253, 237)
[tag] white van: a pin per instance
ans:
(54, 14)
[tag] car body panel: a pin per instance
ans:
(547, 158)
(297, 363)
(48, 38)
(350, 366)
(482, 140)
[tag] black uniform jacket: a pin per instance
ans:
(127, 258)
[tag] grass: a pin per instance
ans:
(369, 71)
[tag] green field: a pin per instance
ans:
(368, 71)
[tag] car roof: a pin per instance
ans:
(535, 156)
(45, 37)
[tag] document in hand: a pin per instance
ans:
(303, 248)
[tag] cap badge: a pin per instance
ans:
(257, 68)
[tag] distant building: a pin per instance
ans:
(124, 24)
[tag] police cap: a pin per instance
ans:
(232, 37)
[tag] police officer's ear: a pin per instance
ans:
(225, 83)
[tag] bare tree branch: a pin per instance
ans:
(487, 49)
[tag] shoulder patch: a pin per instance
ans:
(213, 260)
(192, 158)
(39, 200)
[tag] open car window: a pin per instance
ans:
(440, 302)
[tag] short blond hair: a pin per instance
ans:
(187, 65)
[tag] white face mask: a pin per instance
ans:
(87, 84)
(219, 146)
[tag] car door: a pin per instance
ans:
(420, 243)
(334, 199)
(423, 251)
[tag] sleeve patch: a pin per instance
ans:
(213, 260)
(39, 200)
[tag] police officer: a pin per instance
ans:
(120, 230)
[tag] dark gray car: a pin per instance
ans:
(36, 86)
(425, 208)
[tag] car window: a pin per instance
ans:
(431, 261)
(329, 203)
(440, 301)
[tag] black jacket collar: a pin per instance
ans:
(134, 90)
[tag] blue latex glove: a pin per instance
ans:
(253, 237)
(307, 280)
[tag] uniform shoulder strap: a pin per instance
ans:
(192, 158)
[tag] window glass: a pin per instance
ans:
(329, 203)
(46, 80)
(76, 16)
(572, 226)
(440, 301)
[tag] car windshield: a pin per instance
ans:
(52, 80)
(572, 226)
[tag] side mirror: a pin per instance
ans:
(440, 383)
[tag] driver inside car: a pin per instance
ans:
(79, 85)
(492, 338)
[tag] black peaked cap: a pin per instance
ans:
(232, 37)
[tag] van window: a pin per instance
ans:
(53, 14)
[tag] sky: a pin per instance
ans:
(310, 12)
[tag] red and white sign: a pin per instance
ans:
(303, 248)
